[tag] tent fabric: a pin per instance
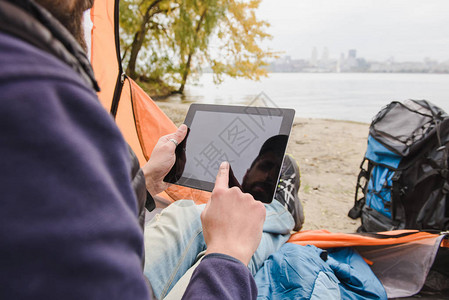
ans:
(402, 268)
(103, 54)
(401, 259)
(325, 239)
(140, 120)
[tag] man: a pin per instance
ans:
(174, 240)
(68, 211)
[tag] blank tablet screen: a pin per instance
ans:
(253, 140)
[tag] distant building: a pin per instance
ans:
(352, 53)
(350, 63)
(340, 63)
(314, 57)
(325, 56)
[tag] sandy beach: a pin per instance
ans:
(329, 153)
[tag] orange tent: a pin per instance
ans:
(138, 117)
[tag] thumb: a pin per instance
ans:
(179, 135)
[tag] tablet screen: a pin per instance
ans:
(251, 139)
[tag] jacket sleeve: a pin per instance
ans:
(220, 276)
(68, 213)
(144, 199)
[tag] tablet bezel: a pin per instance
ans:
(287, 115)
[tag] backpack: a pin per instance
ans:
(403, 179)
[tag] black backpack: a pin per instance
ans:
(404, 175)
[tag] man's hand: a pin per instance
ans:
(232, 220)
(162, 160)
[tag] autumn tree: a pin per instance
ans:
(144, 26)
(193, 28)
(238, 43)
(174, 39)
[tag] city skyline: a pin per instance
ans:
(328, 54)
(408, 30)
(351, 62)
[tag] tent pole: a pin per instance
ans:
(121, 74)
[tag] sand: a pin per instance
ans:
(329, 153)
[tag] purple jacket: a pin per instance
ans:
(68, 213)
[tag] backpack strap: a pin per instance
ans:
(356, 211)
(397, 207)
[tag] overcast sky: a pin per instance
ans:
(377, 29)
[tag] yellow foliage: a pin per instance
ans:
(180, 36)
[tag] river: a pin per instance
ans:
(341, 96)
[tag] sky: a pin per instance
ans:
(408, 30)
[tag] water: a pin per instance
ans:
(341, 96)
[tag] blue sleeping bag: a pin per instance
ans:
(307, 272)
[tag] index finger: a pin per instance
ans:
(222, 179)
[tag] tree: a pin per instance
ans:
(239, 38)
(193, 28)
(174, 39)
(137, 18)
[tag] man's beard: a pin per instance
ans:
(69, 14)
(264, 194)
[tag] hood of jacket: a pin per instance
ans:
(34, 24)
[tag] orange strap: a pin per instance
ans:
(326, 239)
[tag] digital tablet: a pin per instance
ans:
(252, 139)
